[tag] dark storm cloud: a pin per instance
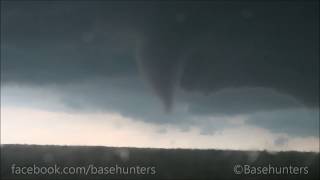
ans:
(297, 121)
(197, 47)
(62, 42)
(126, 96)
(239, 101)
(213, 47)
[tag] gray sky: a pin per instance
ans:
(196, 75)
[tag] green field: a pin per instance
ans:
(149, 163)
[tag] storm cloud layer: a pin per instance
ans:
(198, 47)
(200, 59)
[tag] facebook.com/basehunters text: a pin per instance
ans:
(89, 170)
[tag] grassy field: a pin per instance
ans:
(88, 162)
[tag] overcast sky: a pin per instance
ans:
(220, 75)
